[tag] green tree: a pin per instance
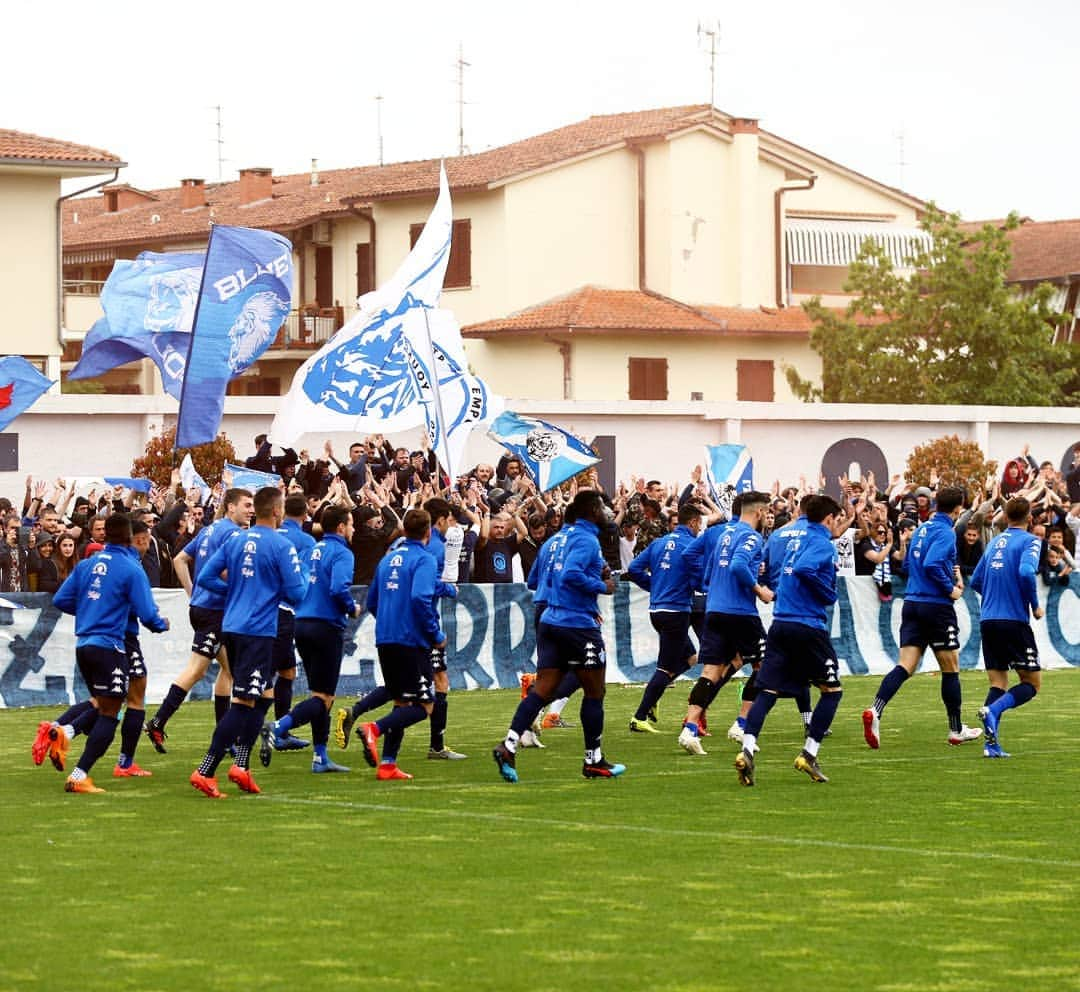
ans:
(947, 329)
(949, 461)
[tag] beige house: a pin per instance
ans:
(31, 168)
(651, 255)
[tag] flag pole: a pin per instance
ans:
(191, 342)
(440, 417)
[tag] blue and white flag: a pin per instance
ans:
(20, 387)
(190, 479)
(149, 305)
(249, 478)
(137, 485)
(549, 454)
(728, 469)
(246, 293)
(375, 373)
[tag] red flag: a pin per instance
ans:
(5, 394)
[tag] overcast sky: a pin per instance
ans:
(983, 94)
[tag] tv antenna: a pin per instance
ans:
(901, 161)
(708, 34)
(462, 65)
(220, 141)
(378, 124)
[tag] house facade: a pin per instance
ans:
(652, 255)
(31, 168)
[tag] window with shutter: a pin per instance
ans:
(648, 378)
(459, 267)
(755, 380)
(364, 282)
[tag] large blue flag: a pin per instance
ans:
(549, 454)
(246, 293)
(729, 469)
(149, 305)
(20, 386)
(137, 484)
(249, 478)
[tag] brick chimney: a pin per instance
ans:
(192, 193)
(744, 125)
(255, 184)
(122, 196)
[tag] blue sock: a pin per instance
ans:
(741, 721)
(130, 731)
(308, 711)
(653, 691)
(401, 717)
(528, 710)
(569, 684)
(72, 713)
(993, 694)
(1016, 696)
(170, 704)
(438, 723)
(320, 753)
(282, 696)
(374, 700)
(950, 696)
(392, 744)
(592, 722)
(890, 686)
(232, 726)
(98, 741)
(755, 719)
(823, 714)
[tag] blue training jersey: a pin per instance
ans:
(401, 597)
(264, 570)
(700, 557)
(330, 571)
(1005, 576)
(575, 579)
(776, 548)
(101, 592)
(199, 549)
(537, 579)
(930, 561)
(735, 569)
(808, 579)
(661, 570)
(436, 547)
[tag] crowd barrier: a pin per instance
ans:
(491, 638)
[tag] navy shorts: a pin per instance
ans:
(729, 634)
(320, 645)
(406, 672)
(136, 662)
(932, 625)
(676, 648)
(438, 659)
(251, 660)
(569, 647)
(207, 626)
(538, 615)
(1009, 644)
(797, 656)
(104, 670)
(284, 649)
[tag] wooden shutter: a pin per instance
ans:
(648, 378)
(324, 275)
(755, 380)
(364, 281)
(459, 267)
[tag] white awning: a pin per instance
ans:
(836, 242)
(90, 256)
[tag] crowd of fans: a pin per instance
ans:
(506, 519)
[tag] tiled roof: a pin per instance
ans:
(19, 146)
(1045, 250)
(594, 310)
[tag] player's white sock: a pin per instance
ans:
(811, 747)
(511, 741)
(557, 706)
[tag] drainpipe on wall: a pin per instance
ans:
(639, 153)
(368, 214)
(567, 369)
(781, 300)
(60, 252)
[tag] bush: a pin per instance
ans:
(161, 457)
(953, 462)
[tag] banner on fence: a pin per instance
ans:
(491, 640)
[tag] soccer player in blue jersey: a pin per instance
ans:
(733, 634)
(320, 632)
(661, 570)
(1005, 578)
(928, 618)
(569, 638)
(799, 650)
(291, 527)
(205, 613)
(401, 597)
(102, 591)
(263, 571)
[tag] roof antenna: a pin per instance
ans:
(710, 30)
(462, 65)
(220, 143)
(378, 124)
(901, 162)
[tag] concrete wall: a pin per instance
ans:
(100, 435)
(28, 271)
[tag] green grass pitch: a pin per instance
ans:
(918, 867)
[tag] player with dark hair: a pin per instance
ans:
(320, 633)
(263, 570)
(928, 618)
(102, 591)
(798, 649)
(661, 570)
(402, 599)
(569, 638)
(205, 612)
(733, 635)
(1005, 578)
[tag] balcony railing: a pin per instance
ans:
(308, 328)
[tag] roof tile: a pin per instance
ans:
(23, 147)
